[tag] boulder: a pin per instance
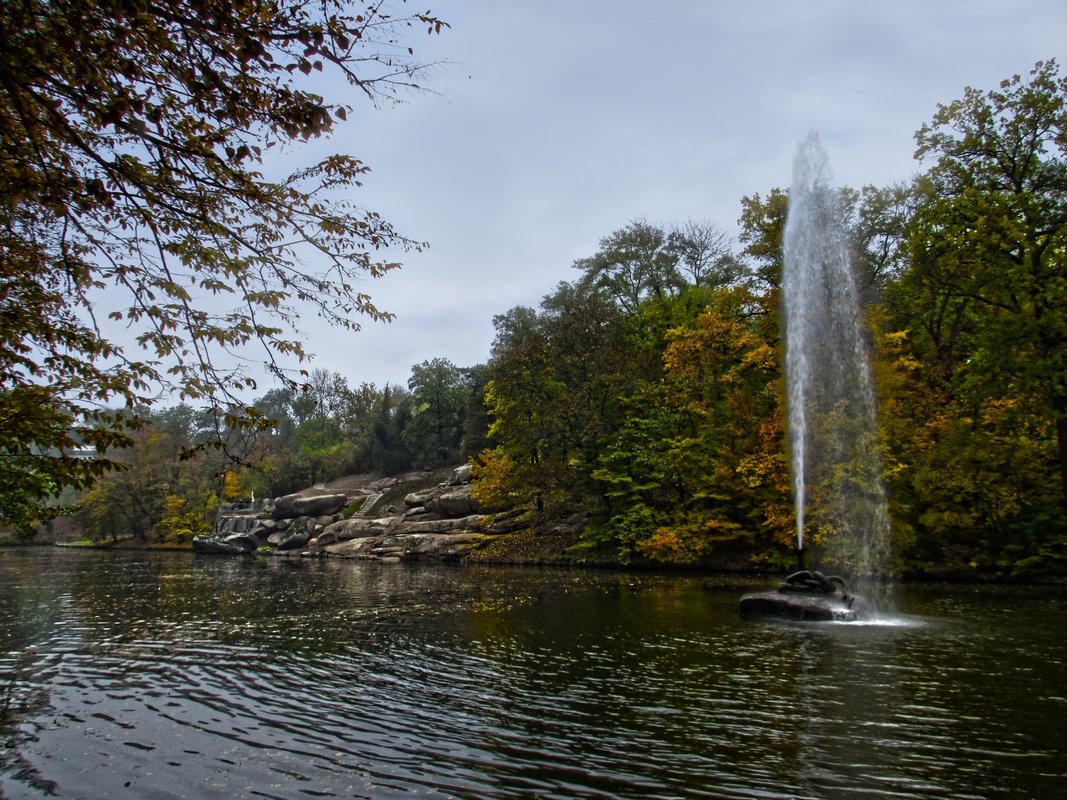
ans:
(276, 538)
(455, 503)
(410, 546)
(270, 527)
(416, 499)
(295, 505)
(357, 528)
(441, 546)
(294, 541)
(246, 541)
(460, 475)
(208, 544)
(439, 526)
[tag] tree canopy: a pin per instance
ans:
(135, 192)
(965, 296)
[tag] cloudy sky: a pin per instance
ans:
(556, 122)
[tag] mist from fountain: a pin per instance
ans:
(836, 468)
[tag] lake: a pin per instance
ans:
(169, 675)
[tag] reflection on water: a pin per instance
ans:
(166, 676)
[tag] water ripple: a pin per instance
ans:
(234, 679)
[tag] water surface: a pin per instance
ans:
(168, 675)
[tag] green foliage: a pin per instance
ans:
(182, 518)
(698, 463)
(633, 265)
(325, 431)
(983, 302)
(648, 393)
(133, 193)
(762, 234)
(440, 397)
(43, 449)
(161, 485)
(553, 391)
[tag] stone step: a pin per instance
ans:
(368, 505)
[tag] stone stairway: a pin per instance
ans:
(368, 505)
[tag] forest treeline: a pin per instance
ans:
(647, 393)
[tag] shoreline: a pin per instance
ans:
(554, 558)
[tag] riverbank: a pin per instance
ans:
(531, 548)
(431, 516)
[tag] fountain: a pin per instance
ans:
(834, 460)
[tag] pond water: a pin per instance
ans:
(168, 675)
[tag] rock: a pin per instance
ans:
(507, 521)
(261, 532)
(358, 528)
(294, 541)
(325, 538)
(208, 544)
(295, 505)
(277, 538)
(382, 485)
(284, 507)
(268, 526)
(410, 546)
(441, 546)
(807, 595)
(460, 475)
(455, 503)
(416, 499)
(439, 526)
(246, 541)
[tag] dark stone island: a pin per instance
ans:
(809, 596)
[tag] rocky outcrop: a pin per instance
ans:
(295, 505)
(409, 546)
(442, 523)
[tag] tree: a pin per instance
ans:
(762, 224)
(328, 394)
(152, 481)
(632, 265)
(521, 398)
(133, 192)
(698, 466)
(989, 245)
(43, 448)
(440, 396)
(704, 252)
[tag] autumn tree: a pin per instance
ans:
(156, 489)
(762, 224)
(136, 191)
(978, 323)
(555, 381)
(697, 467)
(991, 239)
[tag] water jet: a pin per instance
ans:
(834, 462)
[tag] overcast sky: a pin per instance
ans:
(556, 122)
